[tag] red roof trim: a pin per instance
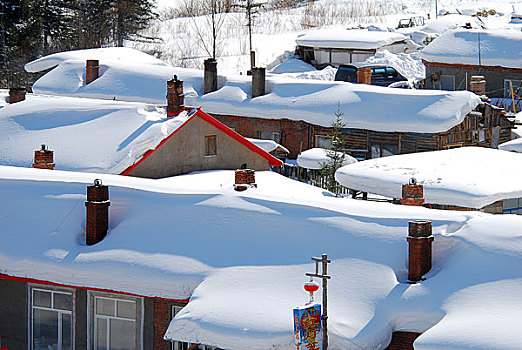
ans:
(47, 283)
(218, 125)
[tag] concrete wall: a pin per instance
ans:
(185, 152)
(13, 314)
(494, 76)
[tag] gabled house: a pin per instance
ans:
(123, 138)
(454, 57)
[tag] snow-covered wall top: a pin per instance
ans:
(364, 106)
(468, 176)
(104, 54)
(497, 48)
(86, 134)
(349, 38)
(316, 158)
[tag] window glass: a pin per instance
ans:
(105, 306)
(45, 329)
(447, 82)
(63, 301)
(391, 72)
(375, 151)
(379, 72)
(42, 298)
(276, 137)
(67, 332)
(126, 309)
(324, 142)
(123, 335)
(517, 87)
(101, 334)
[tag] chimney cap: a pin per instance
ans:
(42, 147)
(413, 181)
(97, 182)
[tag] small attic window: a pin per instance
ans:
(210, 145)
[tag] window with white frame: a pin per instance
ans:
(51, 320)
(116, 323)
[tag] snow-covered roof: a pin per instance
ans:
(468, 176)
(268, 145)
(364, 106)
(245, 281)
(497, 48)
(122, 54)
(316, 158)
(90, 134)
(349, 38)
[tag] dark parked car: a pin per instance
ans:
(382, 75)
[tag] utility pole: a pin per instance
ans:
(325, 277)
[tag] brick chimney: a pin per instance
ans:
(258, 81)
(477, 85)
(413, 193)
(244, 178)
(97, 220)
(92, 71)
(175, 96)
(16, 95)
(210, 78)
(43, 159)
(364, 75)
(419, 251)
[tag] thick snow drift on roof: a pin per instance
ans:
(122, 54)
(245, 280)
(497, 48)
(469, 176)
(348, 38)
(86, 134)
(315, 158)
(364, 106)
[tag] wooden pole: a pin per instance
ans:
(512, 96)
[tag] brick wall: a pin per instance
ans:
(294, 134)
(161, 323)
(403, 340)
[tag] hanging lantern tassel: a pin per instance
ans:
(311, 287)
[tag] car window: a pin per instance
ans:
(379, 71)
(391, 72)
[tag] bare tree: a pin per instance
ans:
(207, 18)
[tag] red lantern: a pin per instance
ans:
(311, 287)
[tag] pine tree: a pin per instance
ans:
(130, 16)
(56, 19)
(336, 154)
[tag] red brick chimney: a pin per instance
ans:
(419, 251)
(92, 71)
(244, 178)
(16, 95)
(175, 96)
(477, 85)
(364, 75)
(413, 193)
(43, 159)
(97, 221)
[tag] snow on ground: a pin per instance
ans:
(339, 37)
(86, 134)
(365, 107)
(316, 158)
(513, 145)
(244, 264)
(468, 176)
(497, 48)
